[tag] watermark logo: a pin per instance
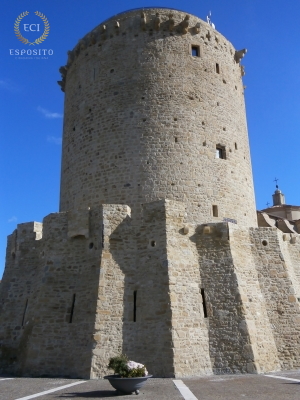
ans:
(32, 32)
(31, 28)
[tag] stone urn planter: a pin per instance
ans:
(127, 385)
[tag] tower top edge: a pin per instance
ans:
(151, 20)
(131, 10)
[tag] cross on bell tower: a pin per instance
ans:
(278, 196)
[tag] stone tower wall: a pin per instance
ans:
(143, 118)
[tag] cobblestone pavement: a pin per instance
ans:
(286, 385)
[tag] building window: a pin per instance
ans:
(24, 313)
(204, 303)
(217, 68)
(72, 309)
(220, 151)
(215, 211)
(195, 51)
(134, 305)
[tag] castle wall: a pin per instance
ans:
(56, 337)
(22, 261)
(277, 264)
(133, 313)
(189, 325)
(143, 118)
(262, 343)
(184, 299)
(230, 344)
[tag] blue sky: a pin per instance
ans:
(32, 102)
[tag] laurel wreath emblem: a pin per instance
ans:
(38, 40)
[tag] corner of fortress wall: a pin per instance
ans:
(22, 257)
(277, 258)
(49, 293)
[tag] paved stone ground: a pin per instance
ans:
(250, 387)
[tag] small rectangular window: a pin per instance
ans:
(24, 313)
(204, 303)
(217, 68)
(220, 152)
(134, 305)
(215, 211)
(72, 309)
(195, 51)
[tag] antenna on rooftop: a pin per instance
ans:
(208, 19)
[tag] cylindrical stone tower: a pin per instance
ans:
(154, 109)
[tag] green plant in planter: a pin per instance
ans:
(122, 366)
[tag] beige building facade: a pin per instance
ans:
(156, 251)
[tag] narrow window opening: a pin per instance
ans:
(72, 308)
(153, 243)
(91, 245)
(176, 140)
(235, 146)
(215, 211)
(204, 303)
(195, 51)
(24, 313)
(217, 68)
(220, 152)
(134, 305)
(102, 236)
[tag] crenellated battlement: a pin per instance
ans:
(156, 22)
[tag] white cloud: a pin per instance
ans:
(49, 114)
(3, 84)
(53, 139)
(8, 85)
(13, 219)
